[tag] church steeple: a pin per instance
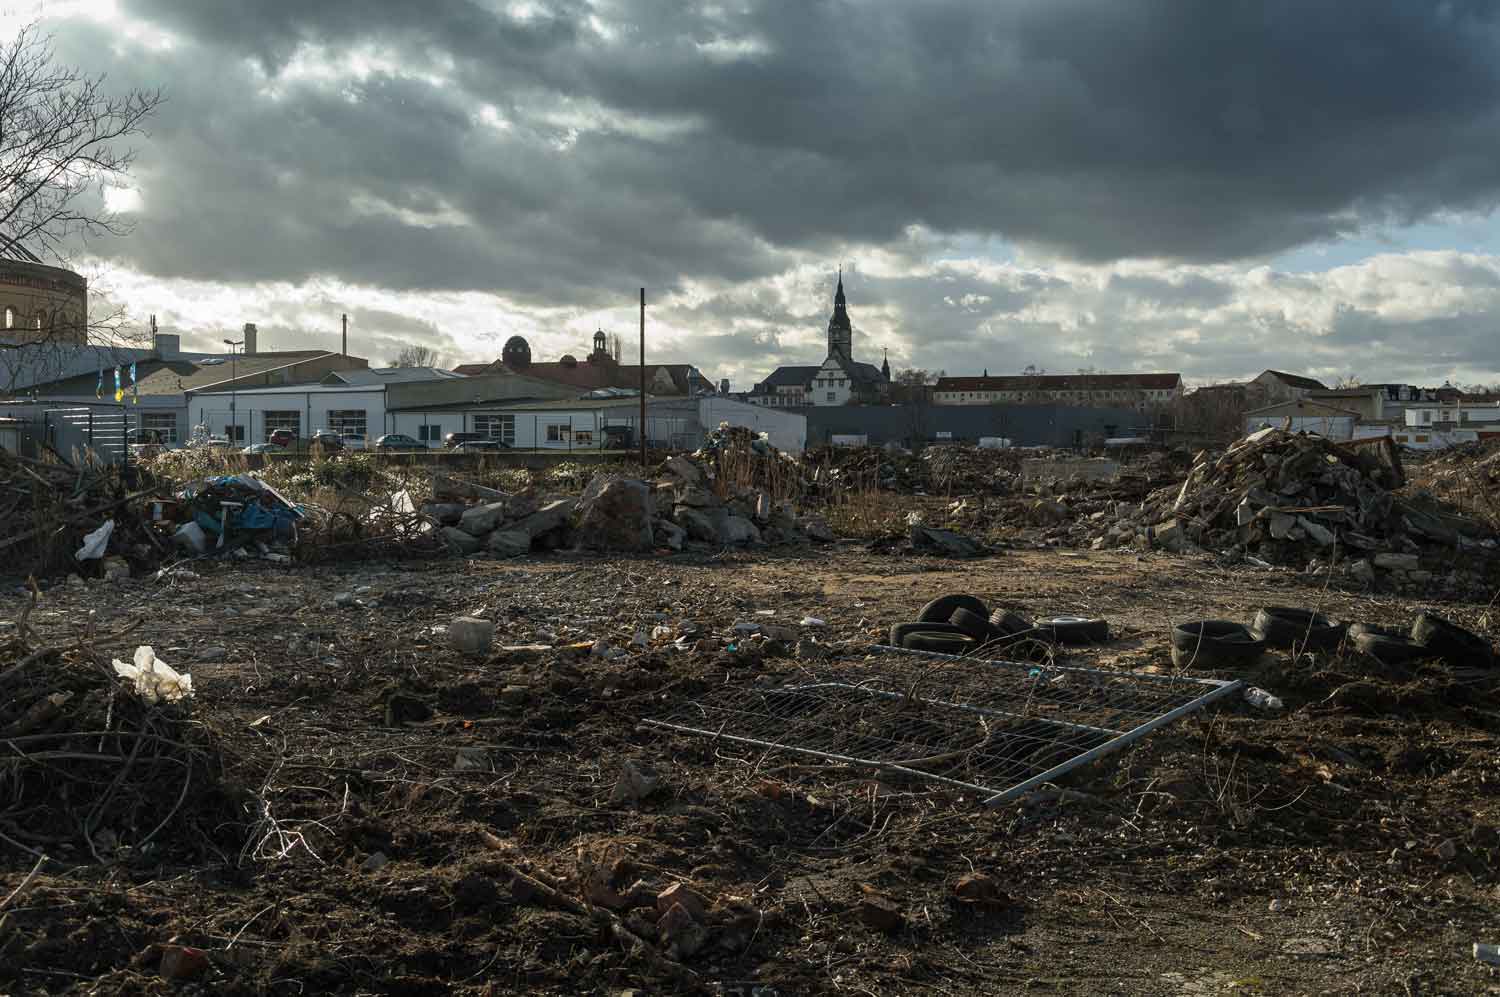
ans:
(840, 333)
(885, 365)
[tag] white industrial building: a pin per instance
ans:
(371, 411)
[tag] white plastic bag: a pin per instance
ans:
(95, 542)
(155, 680)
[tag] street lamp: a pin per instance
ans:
(233, 419)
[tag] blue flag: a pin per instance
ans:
(135, 386)
(119, 391)
(99, 388)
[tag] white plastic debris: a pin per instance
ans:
(191, 536)
(813, 621)
(1260, 699)
(95, 542)
(155, 680)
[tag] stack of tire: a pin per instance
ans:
(1430, 638)
(961, 624)
(1209, 643)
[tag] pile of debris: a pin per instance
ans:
(1299, 500)
(687, 503)
(740, 458)
(889, 468)
(104, 759)
(96, 519)
(954, 469)
(233, 512)
(1466, 477)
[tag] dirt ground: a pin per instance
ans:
(1345, 846)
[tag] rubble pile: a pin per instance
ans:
(120, 741)
(230, 512)
(740, 458)
(945, 468)
(687, 503)
(93, 519)
(1300, 500)
(972, 470)
(1466, 477)
(891, 469)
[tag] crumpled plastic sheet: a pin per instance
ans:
(155, 680)
(95, 543)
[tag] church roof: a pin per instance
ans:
(787, 377)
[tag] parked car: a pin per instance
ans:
(480, 446)
(139, 450)
(264, 448)
(352, 442)
(454, 439)
(220, 443)
(397, 442)
(325, 440)
(282, 438)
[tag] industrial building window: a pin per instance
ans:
(159, 426)
(347, 421)
(235, 433)
(584, 437)
(496, 427)
(431, 432)
(833, 396)
(288, 419)
(1423, 437)
(558, 433)
(10, 318)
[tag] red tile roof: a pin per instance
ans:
(1062, 382)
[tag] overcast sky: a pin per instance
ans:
(1213, 187)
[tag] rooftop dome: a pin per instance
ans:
(517, 353)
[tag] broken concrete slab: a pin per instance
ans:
(546, 519)
(482, 519)
(615, 514)
(739, 530)
(461, 541)
(509, 543)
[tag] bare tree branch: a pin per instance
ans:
(64, 143)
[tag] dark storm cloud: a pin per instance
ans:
(712, 142)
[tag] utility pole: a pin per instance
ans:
(643, 380)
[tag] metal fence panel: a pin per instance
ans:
(998, 728)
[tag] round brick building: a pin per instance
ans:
(40, 303)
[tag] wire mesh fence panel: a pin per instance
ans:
(996, 727)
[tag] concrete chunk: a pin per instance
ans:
(546, 519)
(470, 635)
(509, 543)
(461, 541)
(481, 519)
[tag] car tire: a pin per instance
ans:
(1451, 642)
(1391, 650)
(1358, 629)
(939, 642)
(1075, 629)
(1288, 627)
(1005, 622)
(1214, 642)
(940, 610)
(898, 631)
(972, 624)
